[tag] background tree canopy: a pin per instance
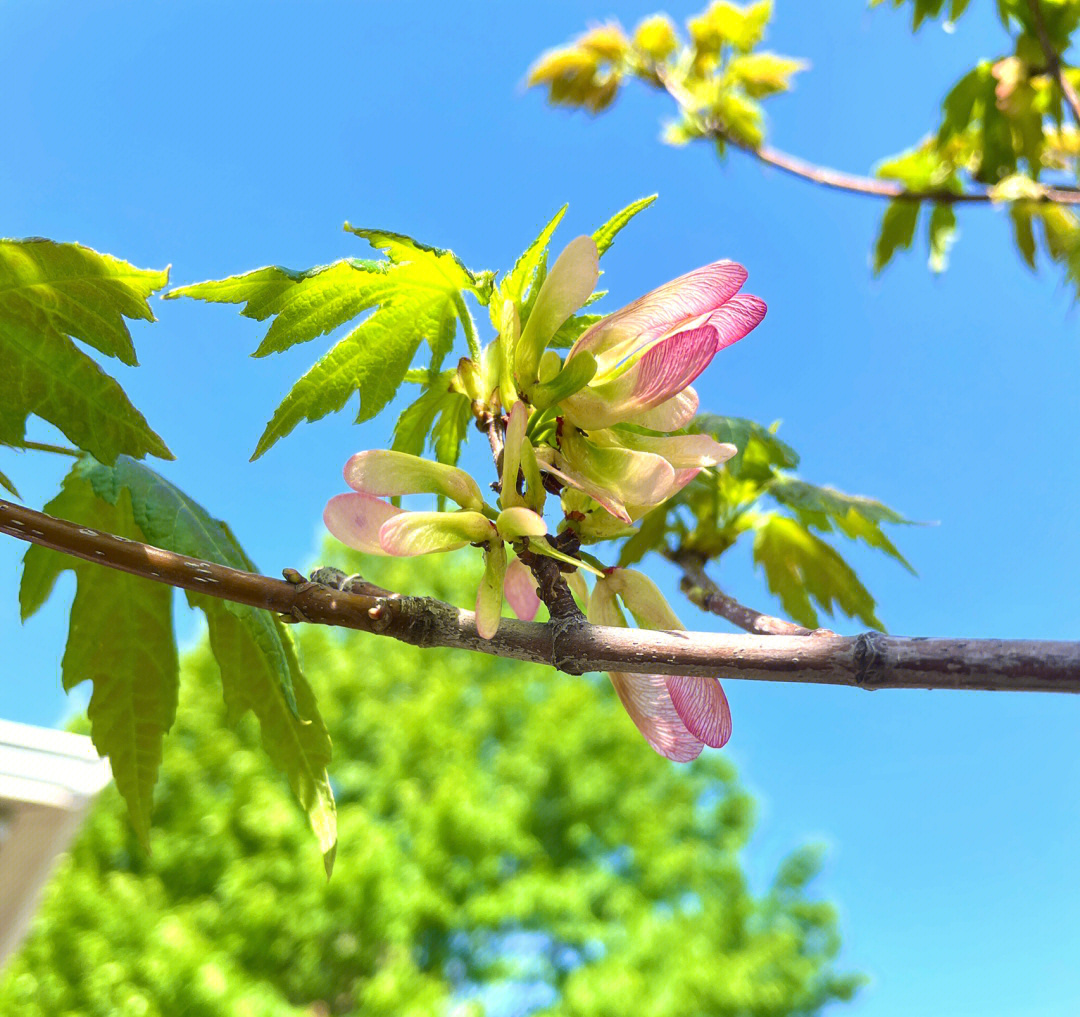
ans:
(505, 839)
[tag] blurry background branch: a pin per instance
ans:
(1002, 138)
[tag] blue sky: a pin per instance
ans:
(221, 137)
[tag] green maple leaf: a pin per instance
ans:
(417, 295)
(801, 569)
(825, 508)
(120, 630)
(120, 638)
(254, 650)
(51, 294)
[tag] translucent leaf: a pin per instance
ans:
(52, 293)
(451, 429)
(254, 651)
(522, 276)
(897, 230)
(304, 305)
(415, 421)
(762, 74)
(1020, 216)
(120, 637)
(574, 327)
(416, 296)
(958, 107)
(942, 231)
(802, 570)
(650, 536)
(857, 517)
(607, 233)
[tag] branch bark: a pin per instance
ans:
(852, 183)
(869, 661)
(703, 592)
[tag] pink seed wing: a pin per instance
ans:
(646, 699)
(738, 317)
(520, 588)
(621, 334)
(355, 519)
(670, 416)
(703, 708)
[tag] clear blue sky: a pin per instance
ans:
(219, 137)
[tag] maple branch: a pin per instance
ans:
(850, 183)
(703, 592)
(1053, 60)
(870, 660)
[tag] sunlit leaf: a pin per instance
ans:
(759, 449)
(824, 507)
(942, 230)
(802, 570)
(416, 296)
(50, 294)
(607, 233)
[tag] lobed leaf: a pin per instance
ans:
(416, 295)
(762, 74)
(258, 665)
(120, 637)
(801, 569)
(855, 516)
(304, 305)
(897, 230)
(523, 276)
(50, 294)
(942, 234)
(606, 234)
(759, 449)
(249, 658)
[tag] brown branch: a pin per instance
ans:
(851, 183)
(870, 661)
(703, 592)
(1053, 60)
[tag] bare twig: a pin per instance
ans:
(850, 183)
(870, 660)
(1053, 60)
(703, 592)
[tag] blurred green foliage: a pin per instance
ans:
(504, 842)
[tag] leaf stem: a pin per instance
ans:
(468, 327)
(60, 450)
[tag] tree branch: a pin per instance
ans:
(703, 592)
(1053, 61)
(870, 660)
(850, 183)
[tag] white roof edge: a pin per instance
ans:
(44, 739)
(47, 766)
